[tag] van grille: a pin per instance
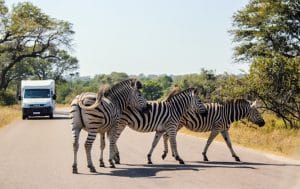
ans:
(36, 105)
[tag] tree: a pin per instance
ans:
(206, 81)
(267, 26)
(267, 34)
(152, 90)
(230, 87)
(276, 81)
(56, 68)
(165, 81)
(27, 32)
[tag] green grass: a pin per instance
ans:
(273, 137)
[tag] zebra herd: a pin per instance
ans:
(112, 109)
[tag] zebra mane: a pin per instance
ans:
(127, 82)
(174, 94)
(103, 89)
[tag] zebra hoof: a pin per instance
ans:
(92, 169)
(75, 171)
(117, 157)
(164, 155)
(204, 157)
(102, 165)
(112, 165)
(150, 162)
(181, 162)
(117, 160)
(237, 158)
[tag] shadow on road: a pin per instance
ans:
(138, 171)
(246, 163)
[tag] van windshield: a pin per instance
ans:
(37, 93)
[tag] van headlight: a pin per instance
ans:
(25, 105)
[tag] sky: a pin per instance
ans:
(149, 36)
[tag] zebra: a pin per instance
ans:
(218, 119)
(163, 117)
(103, 115)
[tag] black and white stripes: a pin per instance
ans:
(162, 117)
(103, 115)
(218, 119)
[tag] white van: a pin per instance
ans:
(38, 98)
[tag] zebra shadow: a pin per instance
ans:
(245, 163)
(151, 171)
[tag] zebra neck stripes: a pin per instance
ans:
(236, 110)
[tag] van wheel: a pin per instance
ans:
(24, 116)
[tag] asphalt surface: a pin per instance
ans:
(37, 153)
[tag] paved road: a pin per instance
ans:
(37, 153)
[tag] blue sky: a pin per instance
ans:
(150, 37)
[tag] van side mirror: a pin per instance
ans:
(19, 97)
(54, 97)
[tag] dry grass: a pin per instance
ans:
(9, 114)
(273, 137)
(62, 105)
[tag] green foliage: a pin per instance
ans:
(32, 42)
(230, 87)
(152, 90)
(276, 81)
(267, 26)
(205, 81)
(267, 33)
(165, 81)
(8, 98)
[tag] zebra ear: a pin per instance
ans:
(253, 104)
(136, 84)
(196, 91)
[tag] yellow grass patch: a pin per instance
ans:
(9, 114)
(273, 137)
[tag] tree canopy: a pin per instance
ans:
(267, 34)
(32, 42)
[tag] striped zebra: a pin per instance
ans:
(102, 116)
(163, 117)
(218, 119)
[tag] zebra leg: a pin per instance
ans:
(112, 145)
(118, 132)
(102, 146)
(226, 137)
(166, 147)
(76, 132)
(212, 136)
(172, 135)
(88, 147)
(117, 155)
(154, 143)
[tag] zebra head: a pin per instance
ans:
(196, 104)
(136, 99)
(254, 115)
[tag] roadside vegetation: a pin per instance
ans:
(9, 114)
